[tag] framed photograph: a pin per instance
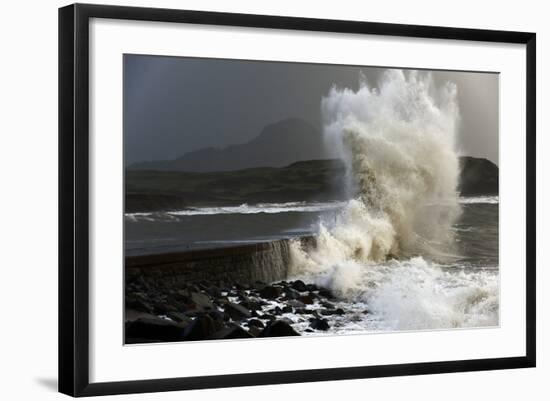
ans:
(250, 199)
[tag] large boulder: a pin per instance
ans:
(278, 328)
(230, 332)
(201, 328)
(270, 292)
(154, 329)
(319, 324)
(237, 312)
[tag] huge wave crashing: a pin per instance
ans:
(389, 246)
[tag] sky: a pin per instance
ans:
(174, 105)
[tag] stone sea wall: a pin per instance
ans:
(266, 262)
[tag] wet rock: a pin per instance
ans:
(202, 301)
(275, 311)
(340, 311)
(311, 287)
(200, 328)
(219, 318)
(213, 291)
(306, 299)
(162, 308)
(296, 304)
(132, 314)
(250, 304)
(327, 305)
(155, 329)
(290, 294)
(256, 323)
(237, 312)
(222, 301)
(326, 293)
(179, 317)
(230, 332)
(193, 288)
(138, 304)
(299, 285)
(319, 324)
(287, 309)
(270, 292)
(278, 328)
(254, 331)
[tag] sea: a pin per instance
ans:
(417, 292)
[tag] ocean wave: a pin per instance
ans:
(269, 208)
(479, 199)
(397, 142)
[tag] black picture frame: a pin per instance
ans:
(74, 192)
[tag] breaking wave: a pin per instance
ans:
(270, 208)
(388, 245)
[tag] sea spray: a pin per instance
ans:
(384, 248)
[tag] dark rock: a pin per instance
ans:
(255, 322)
(183, 295)
(193, 288)
(340, 311)
(237, 312)
(306, 299)
(155, 329)
(222, 301)
(138, 304)
(319, 324)
(327, 305)
(278, 328)
(299, 285)
(132, 314)
(290, 294)
(296, 304)
(230, 332)
(275, 311)
(311, 287)
(219, 317)
(251, 305)
(213, 291)
(202, 301)
(326, 293)
(254, 331)
(201, 328)
(163, 309)
(287, 309)
(179, 317)
(270, 292)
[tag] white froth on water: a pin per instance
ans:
(269, 208)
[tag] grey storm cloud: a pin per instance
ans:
(174, 105)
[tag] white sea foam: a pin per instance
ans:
(480, 199)
(269, 208)
(398, 144)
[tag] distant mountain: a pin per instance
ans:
(278, 145)
(477, 177)
(312, 180)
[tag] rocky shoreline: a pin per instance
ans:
(157, 312)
